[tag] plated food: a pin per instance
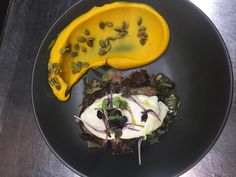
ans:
(119, 113)
(186, 61)
(122, 35)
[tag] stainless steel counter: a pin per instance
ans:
(23, 153)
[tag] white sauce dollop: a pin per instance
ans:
(92, 122)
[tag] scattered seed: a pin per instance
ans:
(86, 32)
(142, 41)
(83, 49)
(76, 67)
(141, 33)
(142, 28)
(51, 44)
(57, 71)
(74, 54)
(81, 39)
(145, 36)
(102, 43)
(90, 39)
(118, 29)
(102, 25)
(107, 42)
(125, 25)
(55, 65)
(50, 70)
(85, 64)
(109, 24)
(76, 46)
(112, 38)
(63, 50)
(140, 20)
(58, 86)
(102, 52)
(51, 82)
(89, 43)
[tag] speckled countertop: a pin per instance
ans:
(23, 152)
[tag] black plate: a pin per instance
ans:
(196, 59)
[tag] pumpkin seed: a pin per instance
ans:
(142, 41)
(85, 64)
(83, 49)
(90, 43)
(102, 43)
(140, 20)
(76, 67)
(112, 38)
(141, 33)
(58, 86)
(76, 46)
(102, 52)
(51, 82)
(142, 28)
(86, 32)
(81, 39)
(50, 70)
(74, 54)
(125, 25)
(119, 29)
(102, 25)
(109, 24)
(55, 65)
(57, 71)
(91, 39)
(63, 50)
(51, 44)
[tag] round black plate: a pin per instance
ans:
(196, 59)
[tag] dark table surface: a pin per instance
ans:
(23, 153)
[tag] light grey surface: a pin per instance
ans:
(22, 147)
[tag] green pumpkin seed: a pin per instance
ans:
(76, 46)
(89, 43)
(102, 43)
(118, 29)
(142, 41)
(83, 49)
(102, 52)
(142, 28)
(141, 33)
(85, 64)
(90, 39)
(109, 24)
(55, 65)
(81, 39)
(57, 86)
(51, 82)
(74, 54)
(57, 71)
(112, 38)
(140, 20)
(86, 32)
(63, 50)
(102, 25)
(50, 70)
(125, 25)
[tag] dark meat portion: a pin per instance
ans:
(137, 79)
(116, 146)
(116, 78)
(145, 90)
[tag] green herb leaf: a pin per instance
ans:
(107, 75)
(114, 117)
(105, 103)
(116, 102)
